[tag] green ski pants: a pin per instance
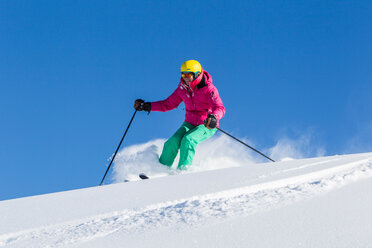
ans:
(186, 138)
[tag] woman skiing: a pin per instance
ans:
(204, 109)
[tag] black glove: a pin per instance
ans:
(141, 105)
(211, 121)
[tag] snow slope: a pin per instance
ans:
(317, 202)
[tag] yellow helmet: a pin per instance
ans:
(191, 66)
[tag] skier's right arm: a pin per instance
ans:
(170, 103)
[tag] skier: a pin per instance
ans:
(204, 109)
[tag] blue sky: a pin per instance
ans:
(70, 71)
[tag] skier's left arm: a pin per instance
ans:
(216, 104)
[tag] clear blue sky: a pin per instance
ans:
(70, 71)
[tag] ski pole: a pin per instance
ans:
(117, 149)
(245, 144)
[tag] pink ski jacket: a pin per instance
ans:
(200, 99)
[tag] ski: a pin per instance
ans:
(143, 176)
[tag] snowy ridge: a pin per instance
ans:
(261, 191)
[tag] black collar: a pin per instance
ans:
(201, 84)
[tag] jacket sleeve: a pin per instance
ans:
(170, 103)
(216, 103)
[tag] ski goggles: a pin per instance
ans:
(187, 74)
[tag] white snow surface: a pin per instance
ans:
(315, 202)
